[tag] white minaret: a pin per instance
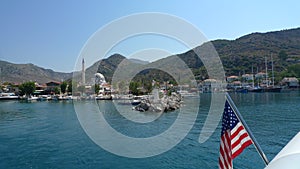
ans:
(83, 73)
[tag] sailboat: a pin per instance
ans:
(256, 89)
(270, 88)
(253, 88)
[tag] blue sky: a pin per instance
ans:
(52, 33)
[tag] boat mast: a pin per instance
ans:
(0, 77)
(272, 70)
(252, 77)
(266, 71)
(258, 84)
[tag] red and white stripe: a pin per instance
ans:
(232, 144)
(239, 139)
(225, 159)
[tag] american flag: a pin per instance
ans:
(234, 138)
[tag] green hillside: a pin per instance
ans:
(238, 57)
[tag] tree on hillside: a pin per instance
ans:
(282, 55)
(96, 88)
(63, 87)
(133, 87)
(70, 85)
(27, 88)
(295, 69)
(292, 71)
(56, 90)
(148, 87)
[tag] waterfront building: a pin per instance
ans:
(232, 79)
(260, 75)
(290, 82)
(50, 86)
(248, 77)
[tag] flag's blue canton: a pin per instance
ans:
(229, 118)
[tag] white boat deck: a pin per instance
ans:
(288, 157)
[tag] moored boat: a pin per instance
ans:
(103, 97)
(242, 90)
(136, 100)
(44, 98)
(32, 98)
(255, 89)
(272, 89)
(8, 96)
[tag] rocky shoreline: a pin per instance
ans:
(165, 104)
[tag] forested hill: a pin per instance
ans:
(238, 56)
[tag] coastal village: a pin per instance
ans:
(150, 84)
(99, 89)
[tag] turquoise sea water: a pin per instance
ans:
(49, 135)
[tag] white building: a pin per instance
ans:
(100, 79)
(291, 82)
(248, 77)
(260, 75)
(232, 78)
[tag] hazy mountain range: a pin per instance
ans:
(20, 73)
(238, 56)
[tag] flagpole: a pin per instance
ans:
(239, 116)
